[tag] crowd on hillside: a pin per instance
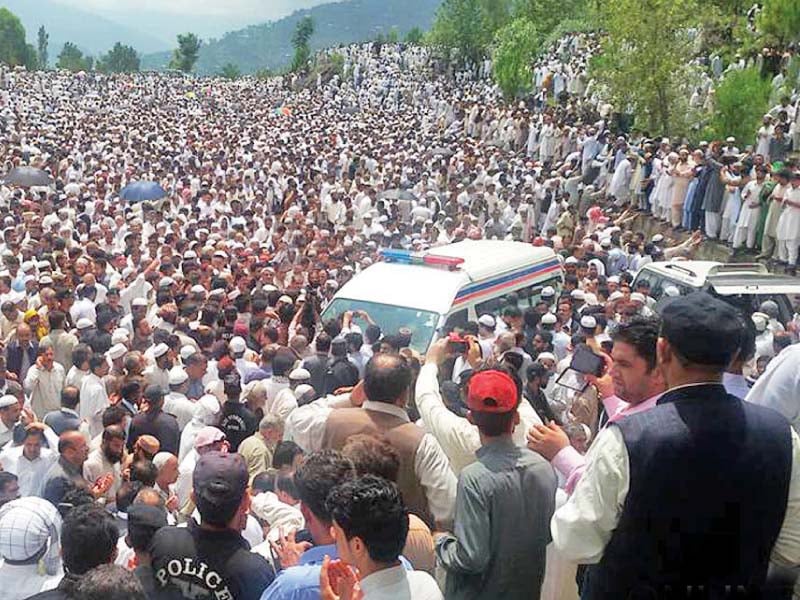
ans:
(178, 421)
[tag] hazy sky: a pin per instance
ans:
(208, 18)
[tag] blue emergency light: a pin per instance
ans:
(407, 257)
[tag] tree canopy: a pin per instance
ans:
(120, 59)
(230, 71)
(42, 39)
(740, 101)
(516, 46)
(14, 50)
(645, 60)
(300, 41)
(780, 20)
(72, 59)
(185, 55)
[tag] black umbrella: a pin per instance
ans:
(27, 177)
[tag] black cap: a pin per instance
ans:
(146, 516)
(219, 480)
(702, 329)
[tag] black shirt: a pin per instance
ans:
(161, 426)
(238, 422)
(190, 562)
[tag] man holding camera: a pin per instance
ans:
(630, 384)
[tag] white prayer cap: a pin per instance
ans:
(577, 295)
(160, 350)
(84, 323)
(546, 356)
(237, 344)
(549, 319)
(760, 320)
(139, 302)
(117, 351)
(487, 321)
(547, 292)
(299, 375)
(120, 336)
(161, 459)
(588, 322)
(187, 351)
(177, 376)
(637, 297)
(8, 400)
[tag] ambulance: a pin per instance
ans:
(432, 292)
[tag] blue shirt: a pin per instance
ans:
(301, 582)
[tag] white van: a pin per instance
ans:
(432, 292)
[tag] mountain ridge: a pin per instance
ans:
(268, 45)
(93, 34)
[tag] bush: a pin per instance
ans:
(740, 101)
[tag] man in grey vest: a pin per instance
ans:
(696, 496)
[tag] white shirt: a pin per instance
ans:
(30, 473)
(44, 388)
(283, 404)
(306, 426)
(94, 400)
(458, 437)
(23, 581)
(779, 386)
(188, 436)
(395, 583)
(583, 526)
(183, 486)
(180, 407)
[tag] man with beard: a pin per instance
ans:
(107, 460)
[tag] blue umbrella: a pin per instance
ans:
(140, 191)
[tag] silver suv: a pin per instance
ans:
(745, 285)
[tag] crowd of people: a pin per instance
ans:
(178, 421)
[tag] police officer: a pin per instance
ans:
(211, 559)
(693, 497)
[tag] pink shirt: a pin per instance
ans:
(571, 463)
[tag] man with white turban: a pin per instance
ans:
(30, 529)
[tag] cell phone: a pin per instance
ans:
(585, 361)
(457, 344)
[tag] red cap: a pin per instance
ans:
(492, 392)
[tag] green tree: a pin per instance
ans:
(468, 26)
(14, 51)
(230, 71)
(516, 46)
(72, 59)
(300, 41)
(42, 39)
(414, 36)
(186, 54)
(780, 21)
(645, 60)
(740, 101)
(120, 59)
(393, 36)
(547, 14)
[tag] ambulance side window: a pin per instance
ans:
(457, 319)
(492, 306)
